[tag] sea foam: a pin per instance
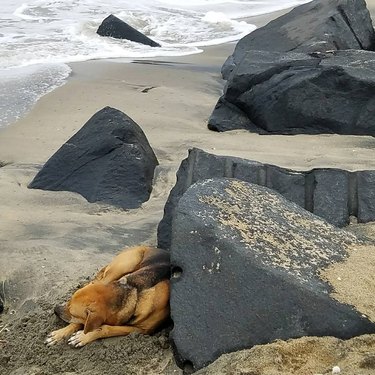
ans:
(38, 37)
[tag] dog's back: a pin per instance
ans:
(131, 260)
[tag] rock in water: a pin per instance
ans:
(109, 160)
(319, 25)
(245, 271)
(116, 28)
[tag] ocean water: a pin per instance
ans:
(38, 38)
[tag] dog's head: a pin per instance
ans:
(90, 306)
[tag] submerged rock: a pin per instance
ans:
(108, 160)
(246, 267)
(116, 28)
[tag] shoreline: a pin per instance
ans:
(225, 49)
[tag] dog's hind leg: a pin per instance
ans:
(56, 336)
(126, 262)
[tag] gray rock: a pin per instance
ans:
(245, 265)
(293, 93)
(108, 160)
(366, 196)
(116, 28)
(332, 194)
(318, 26)
(225, 114)
(291, 185)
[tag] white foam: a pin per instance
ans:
(39, 36)
(37, 31)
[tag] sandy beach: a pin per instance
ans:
(52, 241)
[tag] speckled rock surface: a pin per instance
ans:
(332, 194)
(245, 271)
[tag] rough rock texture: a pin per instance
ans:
(108, 160)
(116, 28)
(320, 25)
(332, 194)
(292, 93)
(245, 271)
(305, 72)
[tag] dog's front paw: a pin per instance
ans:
(79, 339)
(55, 336)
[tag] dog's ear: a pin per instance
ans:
(93, 321)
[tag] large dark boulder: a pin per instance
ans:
(108, 160)
(292, 93)
(245, 271)
(320, 25)
(332, 194)
(116, 28)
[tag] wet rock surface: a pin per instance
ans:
(116, 28)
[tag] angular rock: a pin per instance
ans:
(209, 166)
(318, 26)
(116, 28)
(332, 194)
(366, 196)
(297, 93)
(292, 185)
(225, 114)
(245, 271)
(108, 160)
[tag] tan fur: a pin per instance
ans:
(121, 299)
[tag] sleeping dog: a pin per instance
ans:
(131, 294)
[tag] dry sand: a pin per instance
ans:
(51, 241)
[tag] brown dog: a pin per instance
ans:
(131, 294)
